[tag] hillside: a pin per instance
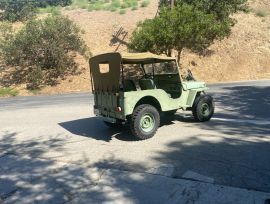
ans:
(245, 55)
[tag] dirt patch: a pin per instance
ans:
(245, 55)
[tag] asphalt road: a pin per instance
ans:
(233, 149)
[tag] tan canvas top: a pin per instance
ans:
(145, 57)
(109, 81)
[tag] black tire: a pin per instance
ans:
(139, 121)
(203, 108)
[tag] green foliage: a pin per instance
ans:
(145, 3)
(222, 9)
(54, 10)
(17, 10)
(43, 50)
(8, 92)
(122, 11)
(191, 24)
(34, 78)
(110, 5)
(261, 13)
(181, 27)
(45, 3)
(21, 10)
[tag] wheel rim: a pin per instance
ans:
(205, 110)
(147, 122)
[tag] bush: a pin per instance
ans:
(54, 10)
(122, 11)
(261, 13)
(145, 3)
(8, 92)
(42, 50)
(34, 78)
(17, 10)
(21, 10)
(45, 3)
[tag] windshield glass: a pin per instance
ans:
(161, 68)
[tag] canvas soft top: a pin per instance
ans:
(144, 58)
(109, 81)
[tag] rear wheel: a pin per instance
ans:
(145, 121)
(203, 108)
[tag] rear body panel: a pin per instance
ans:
(106, 85)
(107, 105)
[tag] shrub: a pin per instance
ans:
(34, 78)
(145, 3)
(8, 92)
(17, 10)
(54, 10)
(43, 50)
(261, 13)
(21, 10)
(45, 3)
(122, 11)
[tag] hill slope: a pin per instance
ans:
(245, 55)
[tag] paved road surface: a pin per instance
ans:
(43, 132)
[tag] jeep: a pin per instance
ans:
(139, 88)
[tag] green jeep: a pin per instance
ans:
(137, 87)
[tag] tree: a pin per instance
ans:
(42, 50)
(183, 26)
(45, 3)
(223, 9)
(21, 10)
(17, 10)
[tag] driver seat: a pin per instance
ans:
(147, 84)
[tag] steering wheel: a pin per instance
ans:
(190, 76)
(148, 76)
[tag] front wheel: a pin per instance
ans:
(203, 108)
(145, 121)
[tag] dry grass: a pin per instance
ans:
(245, 55)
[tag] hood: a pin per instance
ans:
(188, 85)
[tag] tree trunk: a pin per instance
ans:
(172, 3)
(179, 52)
(169, 52)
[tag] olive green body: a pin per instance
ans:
(113, 102)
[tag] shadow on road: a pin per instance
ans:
(96, 129)
(26, 177)
(244, 102)
(233, 154)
